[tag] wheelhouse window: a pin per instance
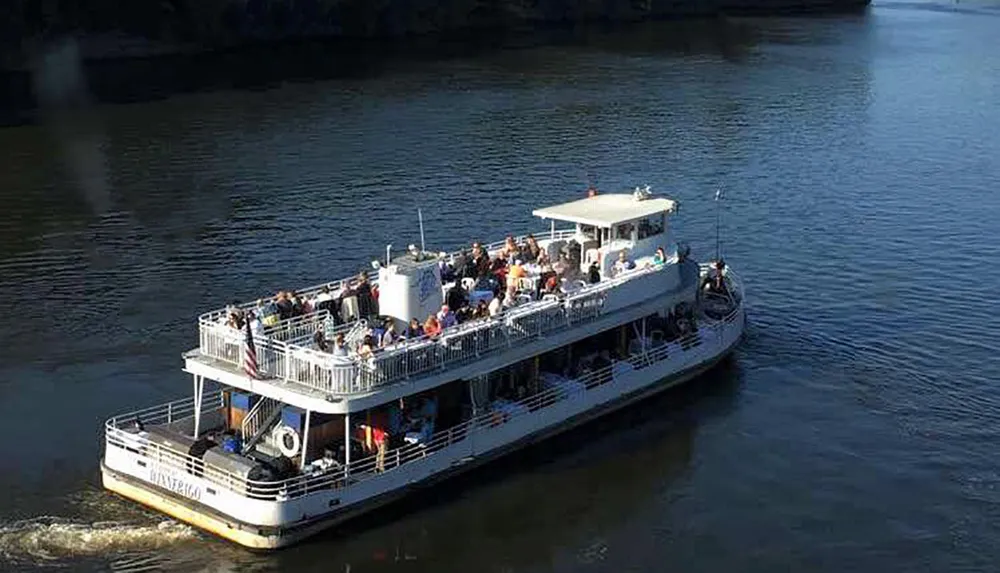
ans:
(651, 226)
(624, 231)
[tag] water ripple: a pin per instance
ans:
(858, 156)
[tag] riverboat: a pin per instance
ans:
(312, 407)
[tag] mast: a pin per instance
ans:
(420, 216)
(718, 223)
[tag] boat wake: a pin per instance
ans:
(56, 539)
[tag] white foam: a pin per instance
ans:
(53, 538)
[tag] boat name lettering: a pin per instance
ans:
(169, 479)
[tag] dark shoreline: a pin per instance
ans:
(137, 76)
(114, 44)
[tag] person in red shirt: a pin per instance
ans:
(381, 438)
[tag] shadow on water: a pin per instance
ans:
(261, 67)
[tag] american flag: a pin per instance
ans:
(250, 356)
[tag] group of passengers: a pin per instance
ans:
(497, 283)
(284, 306)
(287, 305)
(500, 276)
(363, 291)
(495, 286)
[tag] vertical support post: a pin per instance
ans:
(552, 234)
(347, 446)
(534, 375)
(199, 387)
(644, 335)
(718, 224)
(305, 441)
(472, 396)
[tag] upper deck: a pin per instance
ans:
(293, 367)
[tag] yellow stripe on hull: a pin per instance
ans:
(199, 519)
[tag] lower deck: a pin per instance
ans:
(303, 468)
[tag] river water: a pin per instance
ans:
(855, 428)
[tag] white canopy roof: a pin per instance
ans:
(606, 210)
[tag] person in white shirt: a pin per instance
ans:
(623, 264)
(339, 347)
(323, 296)
(256, 326)
(389, 336)
(495, 305)
(510, 300)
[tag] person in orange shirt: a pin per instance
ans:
(432, 327)
(515, 272)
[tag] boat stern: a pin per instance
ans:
(149, 496)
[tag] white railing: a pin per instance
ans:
(477, 339)
(220, 341)
(367, 468)
(355, 335)
(169, 413)
(300, 327)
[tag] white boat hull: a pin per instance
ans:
(270, 524)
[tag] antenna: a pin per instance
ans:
(718, 223)
(420, 216)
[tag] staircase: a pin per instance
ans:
(258, 421)
(356, 335)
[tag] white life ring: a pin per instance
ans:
(285, 435)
